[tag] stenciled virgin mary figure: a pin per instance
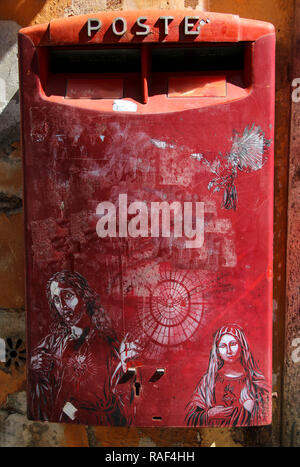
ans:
(233, 391)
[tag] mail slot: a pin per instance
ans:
(148, 190)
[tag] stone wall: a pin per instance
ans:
(15, 428)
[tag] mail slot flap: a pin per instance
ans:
(94, 89)
(148, 26)
(197, 86)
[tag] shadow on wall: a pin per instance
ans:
(21, 11)
(9, 87)
(10, 166)
(14, 14)
(9, 125)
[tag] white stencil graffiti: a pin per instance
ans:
(171, 312)
(247, 154)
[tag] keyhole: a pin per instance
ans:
(137, 388)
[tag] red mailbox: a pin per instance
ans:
(148, 190)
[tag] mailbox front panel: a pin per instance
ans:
(149, 225)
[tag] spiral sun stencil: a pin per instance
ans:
(172, 311)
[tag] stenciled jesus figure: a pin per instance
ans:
(75, 369)
(233, 391)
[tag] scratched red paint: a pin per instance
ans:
(110, 298)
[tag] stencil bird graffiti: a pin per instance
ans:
(247, 154)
